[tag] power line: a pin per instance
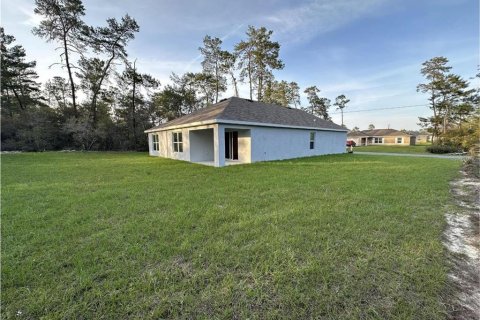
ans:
(389, 108)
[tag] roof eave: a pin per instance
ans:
(273, 125)
(181, 126)
(236, 122)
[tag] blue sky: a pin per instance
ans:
(369, 50)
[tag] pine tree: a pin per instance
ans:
(258, 57)
(213, 63)
(341, 103)
(62, 23)
(18, 81)
(317, 105)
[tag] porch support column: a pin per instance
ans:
(219, 145)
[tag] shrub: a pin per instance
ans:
(466, 136)
(439, 148)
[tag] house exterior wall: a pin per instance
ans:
(255, 143)
(392, 140)
(201, 145)
(423, 138)
(244, 146)
(284, 143)
(244, 141)
(165, 138)
(387, 140)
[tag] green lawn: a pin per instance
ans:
(124, 235)
(395, 149)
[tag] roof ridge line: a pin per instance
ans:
(228, 101)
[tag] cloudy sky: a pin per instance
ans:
(369, 50)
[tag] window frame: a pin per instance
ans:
(378, 140)
(312, 140)
(401, 140)
(155, 142)
(177, 141)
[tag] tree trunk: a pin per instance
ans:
(94, 110)
(216, 82)
(234, 81)
(250, 76)
(134, 125)
(70, 76)
(97, 91)
(445, 120)
(434, 108)
(18, 99)
(260, 87)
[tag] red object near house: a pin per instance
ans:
(351, 143)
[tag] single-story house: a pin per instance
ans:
(238, 130)
(381, 137)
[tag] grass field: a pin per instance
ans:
(124, 235)
(395, 149)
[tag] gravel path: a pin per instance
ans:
(462, 239)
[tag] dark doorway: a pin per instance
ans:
(231, 145)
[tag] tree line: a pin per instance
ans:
(103, 102)
(455, 108)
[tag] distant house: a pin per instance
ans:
(423, 138)
(381, 137)
(237, 130)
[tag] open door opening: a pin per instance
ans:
(231, 145)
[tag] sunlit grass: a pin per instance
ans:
(124, 235)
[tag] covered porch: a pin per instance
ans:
(220, 146)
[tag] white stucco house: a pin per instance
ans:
(238, 130)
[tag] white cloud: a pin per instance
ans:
(319, 16)
(30, 18)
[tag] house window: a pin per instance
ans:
(312, 140)
(377, 140)
(155, 142)
(177, 142)
(399, 140)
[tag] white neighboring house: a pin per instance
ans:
(238, 130)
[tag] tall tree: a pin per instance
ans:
(57, 93)
(317, 105)
(18, 80)
(293, 94)
(371, 126)
(135, 83)
(91, 74)
(341, 103)
(282, 93)
(244, 52)
(228, 65)
(258, 57)
(62, 23)
(205, 86)
(169, 103)
(27, 123)
(110, 41)
(454, 95)
(435, 71)
(212, 63)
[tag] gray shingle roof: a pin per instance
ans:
(238, 109)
